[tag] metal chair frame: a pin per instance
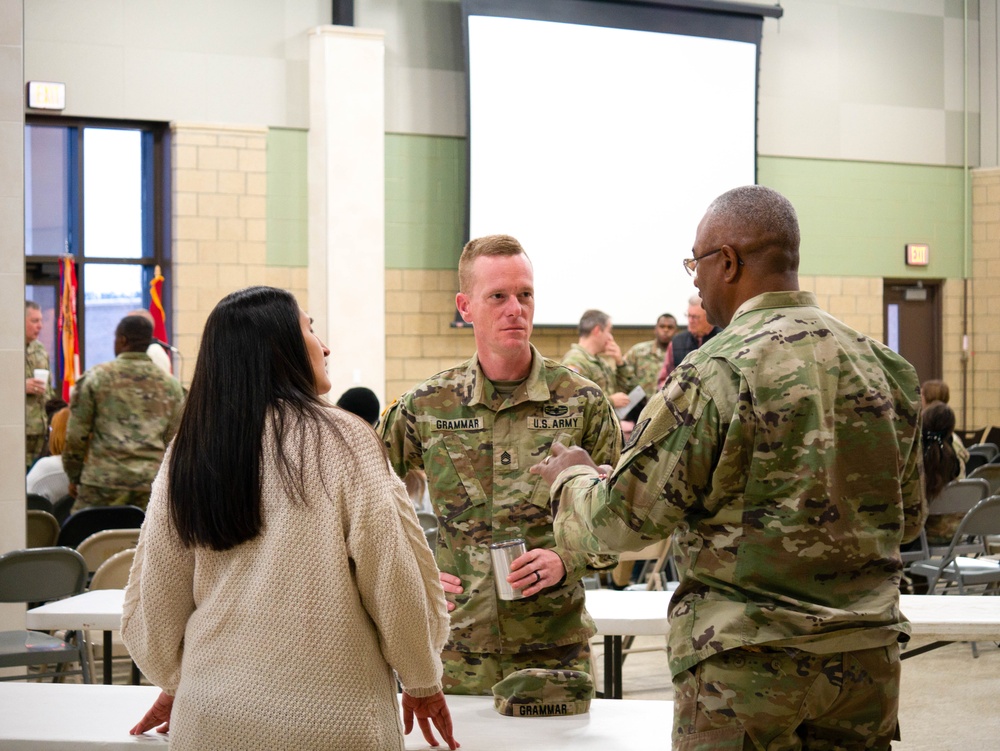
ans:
(39, 575)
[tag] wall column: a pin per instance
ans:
(12, 517)
(347, 203)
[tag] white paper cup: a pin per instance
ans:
(42, 375)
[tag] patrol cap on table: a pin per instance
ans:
(536, 692)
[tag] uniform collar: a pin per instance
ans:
(785, 299)
(581, 348)
(481, 391)
(134, 356)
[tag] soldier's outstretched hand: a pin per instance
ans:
(560, 458)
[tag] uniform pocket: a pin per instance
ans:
(721, 739)
(464, 477)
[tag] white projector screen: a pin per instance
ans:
(599, 149)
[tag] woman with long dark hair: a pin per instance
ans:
(281, 574)
(941, 466)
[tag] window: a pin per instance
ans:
(94, 191)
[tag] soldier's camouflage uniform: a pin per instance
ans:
(784, 458)
(646, 360)
(122, 415)
(36, 426)
(605, 374)
(476, 447)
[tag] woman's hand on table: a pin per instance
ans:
(158, 715)
(433, 708)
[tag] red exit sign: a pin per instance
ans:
(918, 254)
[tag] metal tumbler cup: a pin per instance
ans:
(502, 554)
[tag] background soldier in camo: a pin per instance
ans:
(646, 358)
(783, 456)
(122, 415)
(36, 392)
(475, 430)
(597, 357)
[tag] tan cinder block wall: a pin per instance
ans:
(420, 308)
(219, 225)
(984, 308)
(855, 300)
(420, 340)
(951, 361)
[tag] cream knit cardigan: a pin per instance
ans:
(289, 641)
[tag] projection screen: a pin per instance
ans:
(599, 148)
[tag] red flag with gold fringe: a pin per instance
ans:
(68, 333)
(156, 306)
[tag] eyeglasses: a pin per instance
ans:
(691, 264)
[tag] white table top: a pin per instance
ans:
(953, 617)
(937, 617)
(99, 609)
(610, 725)
(621, 613)
(58, 717)
(943, 617)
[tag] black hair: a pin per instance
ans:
(362, 402)
(253, 367)
(137, 331)
(941, 464)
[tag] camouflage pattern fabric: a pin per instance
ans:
(784, 458)
(476, 447)
(475, 673)
(88, 496)
(536, 692)
(784, 699)
(122, 415)
(36, 425)
(601, 371)
(646, 360)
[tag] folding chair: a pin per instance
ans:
(38, 502)
(42, 529)
(990, 450)
(40, 575)
(429, 523)
(100, 546)
(990, 473)
(981, 521)
(654, 558)
(62, 508)
(971, 437)
(81, 525)
(958, 497)
(112, 574)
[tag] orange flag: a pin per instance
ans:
(67, 327)
(156, 307)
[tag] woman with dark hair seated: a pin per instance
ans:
(281, 575)
(938, 391)
(941, 466)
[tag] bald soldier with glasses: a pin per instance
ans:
(783, 460)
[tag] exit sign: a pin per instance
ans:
(918, 254)
(46, 95)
